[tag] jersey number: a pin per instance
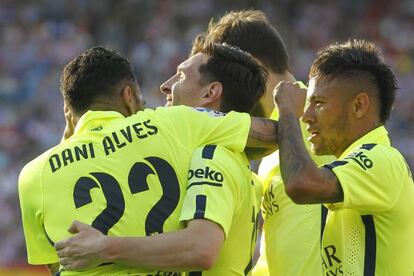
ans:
(137, 182)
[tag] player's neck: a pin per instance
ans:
(215, 105)
(357, 130)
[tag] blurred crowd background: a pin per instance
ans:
(37, 37)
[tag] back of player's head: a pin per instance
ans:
(361, 63)
(94, 75)
(242, 78)
(251, 31)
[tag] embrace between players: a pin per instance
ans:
(170, 191)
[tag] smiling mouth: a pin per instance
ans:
(313, 134)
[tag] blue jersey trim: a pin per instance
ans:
(201, 201)
(208, 152)
(370, 245)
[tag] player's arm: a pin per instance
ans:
(257, 153)
(53, 268)
(304, 181)
(39, 249)
(233, 130)
(178, 251)
(263, 134)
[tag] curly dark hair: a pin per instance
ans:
(95, 74)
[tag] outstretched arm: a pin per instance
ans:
(263, 134)
(181, 250)
(304, 181)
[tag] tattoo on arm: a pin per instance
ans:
(263, 132)
(257, 153)
(292, 152)
(315, 185)
(337, 194)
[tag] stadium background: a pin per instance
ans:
(38, 37)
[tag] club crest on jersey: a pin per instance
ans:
(210, 112)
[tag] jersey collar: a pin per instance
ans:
(377, 136)
(95, 119)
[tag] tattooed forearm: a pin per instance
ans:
(337, 194)
(263, 133)
(328, 195)
(304, 181)
(292, 153)
(257, 153)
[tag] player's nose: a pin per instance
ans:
(308, 115)
(165, 87)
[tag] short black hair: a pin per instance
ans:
(251, 31)
(358, 60)
(242, 78)
(94, 74)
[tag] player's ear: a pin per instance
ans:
(213, 93)
(70, 115)
(130, 100)
(360, 104)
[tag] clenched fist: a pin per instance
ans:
(290, 97)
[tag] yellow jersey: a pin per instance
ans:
(221, 189)
(371, 232)
(290, 243)
(124, 176)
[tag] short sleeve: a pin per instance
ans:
(211, 191)
(39, 249)
(369, 179)
(200, 126)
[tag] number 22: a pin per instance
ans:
(137, 182)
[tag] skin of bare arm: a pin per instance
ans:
(304, 182)
(53, 268)
(181, 250)
(263, 134)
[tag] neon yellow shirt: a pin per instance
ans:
(372, 231)
(124, 176)
(221, 189)
(290, 242)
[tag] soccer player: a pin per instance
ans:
(369, 190)
(291, 241)
(126, 176)
(234, 206)
(220, 196)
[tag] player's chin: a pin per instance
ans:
(317, 149)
